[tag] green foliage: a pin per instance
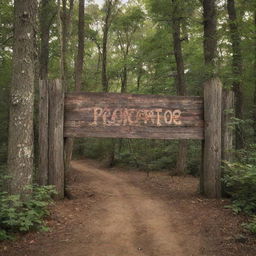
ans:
(139, 153)
(251, 226)
(240, 181)
(18, 215)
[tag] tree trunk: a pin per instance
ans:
(181, 163)
(139, 76)
(104, 61)
(254, 99)
(65, 20)
(20, 148)
(80, 52)
(63, 41)
(46, 18)
(78, 76)
(109, 5)
(124, 80)
(237, 67)
(210, 33)
(43, 140)
(104, 47)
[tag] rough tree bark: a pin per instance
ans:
(124, 74)
(78, 76)
(65, 19)
(20, 148)
(210, 33)
(109, 5)
(80, 52)
(46, 18)
(237, 67)
(254, 100)
(181, 163)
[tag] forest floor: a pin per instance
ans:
(115, 212)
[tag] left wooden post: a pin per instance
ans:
(42, 175)
(51, 166)
(56, 120)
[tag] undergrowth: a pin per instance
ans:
(240, 182)
(17, 215)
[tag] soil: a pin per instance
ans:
(116, 212)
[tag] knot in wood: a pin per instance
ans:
(25, 16)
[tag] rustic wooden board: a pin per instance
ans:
(42, 175)
(56, 161)
(112, 115)
(212, 142)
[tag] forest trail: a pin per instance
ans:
(117, 213)
(131, 221)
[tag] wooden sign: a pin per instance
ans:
(113, 115)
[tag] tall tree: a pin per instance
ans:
(80, 51)
(181, 81)
(254, 100)
(79, 63)
(46, 15)
(108, 9)
(20, 148)
(65, 14)
(210, 33)
(125, 27)
(237, 67)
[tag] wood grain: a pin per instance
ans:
(133, 116)
(227, 129)
(56, 159)
(212, 142)
(42, 175)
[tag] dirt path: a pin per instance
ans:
(131, 222)
(115, 213)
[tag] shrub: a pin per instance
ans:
(240, 182)
(21, 216)
(251, 226)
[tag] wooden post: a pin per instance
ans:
(227, 131)
(212, 141)
(42, 175)
(56, 119)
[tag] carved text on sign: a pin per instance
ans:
(135, 117)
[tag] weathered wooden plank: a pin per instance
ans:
(56, 118)
(133, 116)
(42, 175)
(138, 132)
(227, 130)
(135, 97)
(212, 142)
